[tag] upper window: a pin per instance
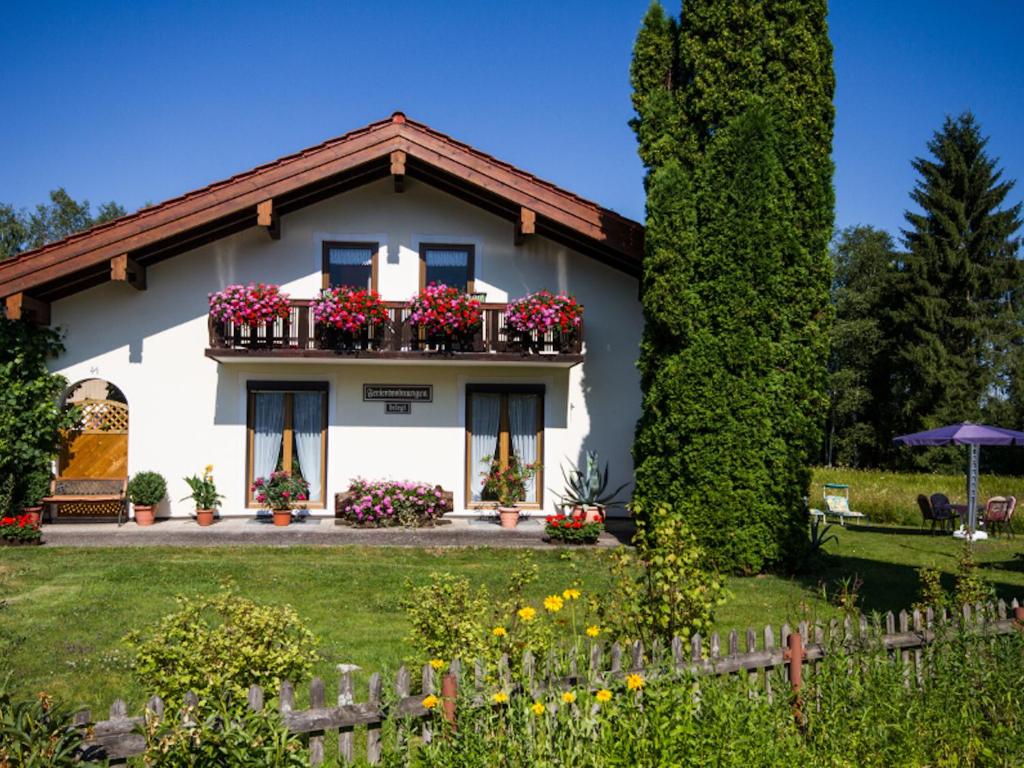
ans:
(287, 426)
(503, 421)
(350, 264)
(448, 264)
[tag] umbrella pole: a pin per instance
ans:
(972, 491)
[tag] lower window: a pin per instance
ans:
(287, 430)
(503, 420)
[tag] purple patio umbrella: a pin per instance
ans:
(975, 436)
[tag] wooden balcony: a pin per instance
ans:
(297, 337)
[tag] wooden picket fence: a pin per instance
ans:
(780, 669)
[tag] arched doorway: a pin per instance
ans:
(98, 446)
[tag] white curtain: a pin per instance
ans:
(522, 427)
(351, 257)
(307, 423)
(268, 428)
(486, 415)
(446, 258)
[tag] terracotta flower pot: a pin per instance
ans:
(509, 516)
(204, 517)
(282, 516)
(590, 513)
(35, 514)
(144, 514)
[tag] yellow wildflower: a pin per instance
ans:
(537, 708)
(209, 469)
(634, 682)
(593, 630)
(500, 697)
(527, 613)
(437, 663)
(430, 702)
(571, 594)
(603, 696)
(553, 603)
(568, 697)
(499, 632)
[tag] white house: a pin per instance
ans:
(392, 206)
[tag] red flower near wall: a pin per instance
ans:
(544, 311)
(443, 310)
(349, 309)
(253, 304)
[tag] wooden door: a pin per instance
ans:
(98, 447)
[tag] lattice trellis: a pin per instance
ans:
(89, 508)
(103, 416)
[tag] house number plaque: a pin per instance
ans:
(398, 393)
(405, 408)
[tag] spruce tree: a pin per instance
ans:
(733, 395)
(956, 324)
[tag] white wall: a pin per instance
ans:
(187, 411)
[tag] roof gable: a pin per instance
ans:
(396, 146)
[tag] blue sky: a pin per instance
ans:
(142, 101)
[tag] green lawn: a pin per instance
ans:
(64, 610)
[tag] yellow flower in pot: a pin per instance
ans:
(204, 494)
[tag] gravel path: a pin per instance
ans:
(321, 532)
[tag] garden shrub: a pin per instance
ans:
(662, 590)
(217, 646)
(448, 618)
(380, 503)
(220, 737)
(37, 732)
(147, 489)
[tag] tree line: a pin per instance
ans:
(23, 230)
(928, 331)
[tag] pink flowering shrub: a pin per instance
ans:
(253, 304)
(544, 311)
(348, 309)
(381, 503)
(282, 490)
(444, 311)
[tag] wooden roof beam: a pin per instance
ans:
(22, 307)
(526, 224)
(124, 269)
(267, 217)
(398, 169)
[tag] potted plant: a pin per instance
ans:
(507, 485)
(146, 490)
(586, 490)
(36, 489)
(447, 316)
(533, 316)
(344, 315)
(204, 494)
(19, 531)
(566, 530)
(282, 492)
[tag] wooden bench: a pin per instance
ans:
(341, 498)
(86, 492)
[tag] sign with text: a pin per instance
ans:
(399, 393)
(405, 408)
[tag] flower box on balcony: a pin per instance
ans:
(445, 318)
(544, 321)
(349, 319)
(250, 307)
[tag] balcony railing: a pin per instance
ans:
(297, 335)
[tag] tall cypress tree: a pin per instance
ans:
(732, 410)
(956, 323)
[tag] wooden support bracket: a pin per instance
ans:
(22, 307)
(267, 217)
(124, 269)
(525, 225)
(398, 169)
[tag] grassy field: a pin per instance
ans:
(891, 497)
(64, 610)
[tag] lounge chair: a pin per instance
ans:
(938, 515)
(999, 514)
(838, 506)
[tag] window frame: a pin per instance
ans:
(287, 387)
(325, 264)
(504, 438)
(470, 261)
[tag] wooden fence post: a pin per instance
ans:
(1018, 614)
(795, 656)
(449, 691)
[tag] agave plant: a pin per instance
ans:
(588, 486)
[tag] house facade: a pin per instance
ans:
(391, 207)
